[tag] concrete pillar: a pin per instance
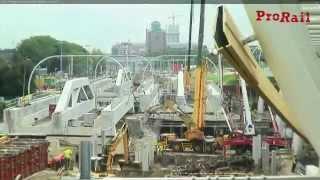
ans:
(260, 109)
(85, 159)
(145, 157)
(102, 141)
(256, 150)
(297, 144)
(94, 142)
(274, 162)
(265, 158)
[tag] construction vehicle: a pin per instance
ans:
(194, 136)
(119, 145)
(275, 140)
(240, 140)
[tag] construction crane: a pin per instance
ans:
(249, 126)
(275, 140)
(240, 140)
(194, 136)
(239, 56)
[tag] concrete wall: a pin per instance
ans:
(17, 118)
(110, 115)
(150, 99)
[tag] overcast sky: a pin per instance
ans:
(101, 26)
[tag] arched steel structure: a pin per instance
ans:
(57, 56)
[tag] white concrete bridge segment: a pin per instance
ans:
(113, 113)
(20, 119)
(76, 98)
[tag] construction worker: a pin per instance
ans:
(67, 158)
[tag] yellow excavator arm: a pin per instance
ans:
(121, 138)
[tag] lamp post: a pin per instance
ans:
(24, 75)
(61, 42)
(88, 46)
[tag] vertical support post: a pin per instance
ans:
(88, 66)
(274, 162)
(61, 68)
(260, 108)
(102, 141)
(85, 159)
(265, 158)
(94, 145)
(256, 150)
(71, 73)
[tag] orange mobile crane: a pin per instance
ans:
(194, 136)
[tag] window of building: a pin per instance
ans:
(88, 91)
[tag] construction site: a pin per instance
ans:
(247, 110)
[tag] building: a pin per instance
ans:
(127, 48)
(156, 40)
(182, 48)
(173, 34)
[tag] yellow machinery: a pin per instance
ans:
(170, 141)
(194, 136)
(120, 145)
(195, 131)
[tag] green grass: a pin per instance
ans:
(228, 79)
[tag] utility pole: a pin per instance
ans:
(24, 75)
(87, 46)
(127, 53)
(24, 78)
(61, 57)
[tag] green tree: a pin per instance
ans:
(27, 54)
(38, 47)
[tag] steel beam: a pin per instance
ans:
(295, 66)
(229, 43)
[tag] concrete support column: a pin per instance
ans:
(85, 159)
(260, 109)
(297, 144)
(256, 150)
(274, 162)
(265, 158)
(102, 141)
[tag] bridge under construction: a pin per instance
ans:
(229, 115)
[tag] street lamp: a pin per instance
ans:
(61, 42)
(24, 74)
(88, 46)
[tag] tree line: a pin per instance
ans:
(15, 64)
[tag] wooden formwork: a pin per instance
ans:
(22, 157)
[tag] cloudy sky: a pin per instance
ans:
(100, 26)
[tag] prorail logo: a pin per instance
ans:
(283, 17)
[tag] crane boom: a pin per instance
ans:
(249, 126)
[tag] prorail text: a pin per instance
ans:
(283, 17)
